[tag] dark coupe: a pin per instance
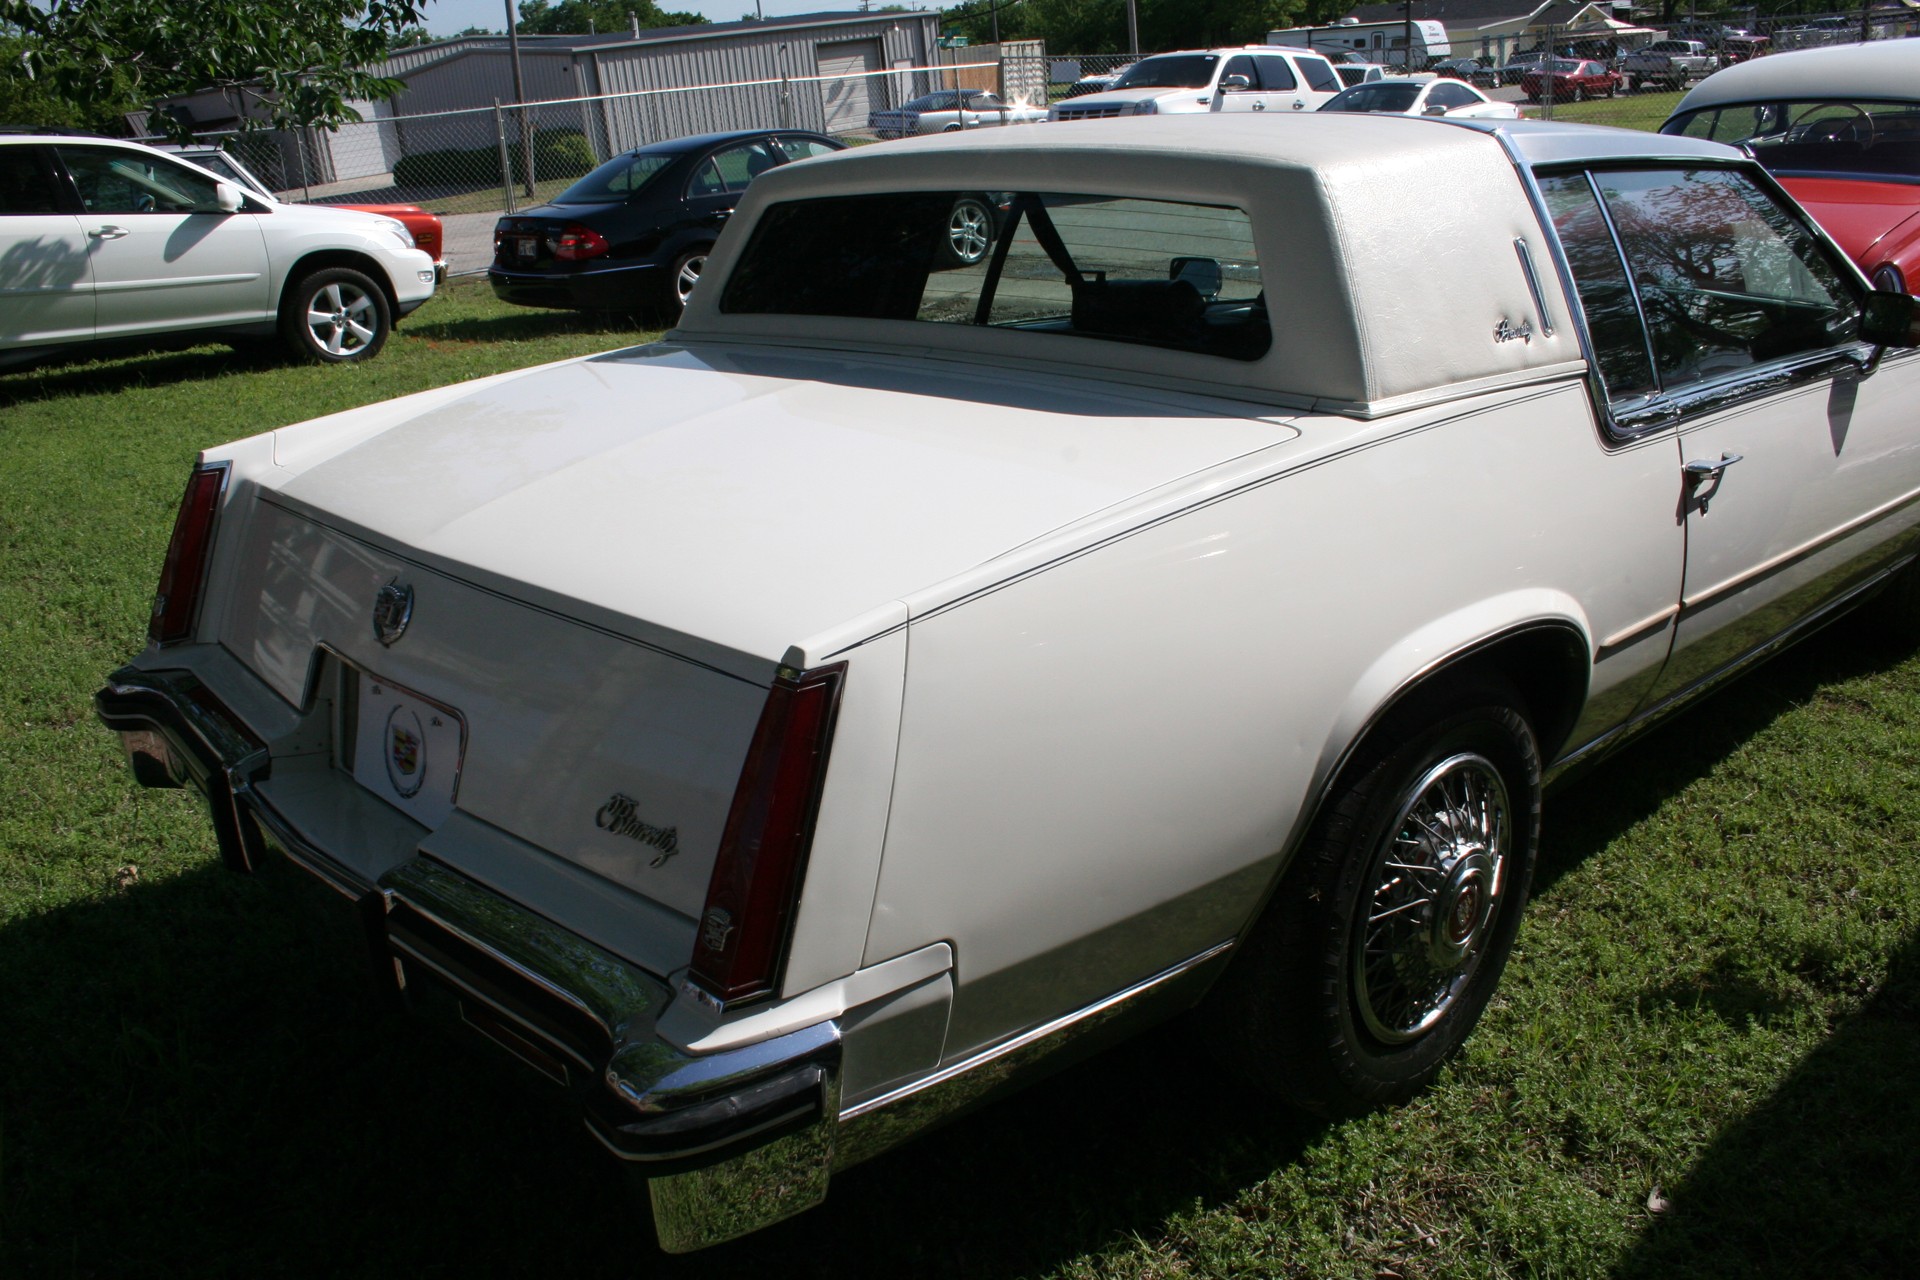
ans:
(634, 234)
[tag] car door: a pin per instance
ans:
(1253, 96)
(46, 280)
(164, 256)
(1795, 474)
(1798, 466)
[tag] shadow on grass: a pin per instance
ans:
(1822, 1178)
(95, 373)
(524, 324)
(201, 1080)
(1585, 814)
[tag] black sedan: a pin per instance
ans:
(634, 234)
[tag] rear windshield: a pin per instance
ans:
(1113, 268)
(618, 179)
(1873, 139)
(1180, 71)
(1377, 96)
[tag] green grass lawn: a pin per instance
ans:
(1702, 1062)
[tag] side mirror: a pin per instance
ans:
(228, 198)
(1203, 274)
(1434, 109)
(1230, 83)
(1889, 320)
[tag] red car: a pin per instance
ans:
(1839, 126)
(1570, 80)
(423, 226)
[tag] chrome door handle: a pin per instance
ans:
(108, 233)
(1259, 106)
(1698, 471)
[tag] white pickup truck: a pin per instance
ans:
(1669, 64)
(905, 675)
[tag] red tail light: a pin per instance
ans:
(185, 572)
(576, 243)
(763, 851)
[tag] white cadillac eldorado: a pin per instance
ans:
(791, 732)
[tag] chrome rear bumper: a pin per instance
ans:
(729, 1141)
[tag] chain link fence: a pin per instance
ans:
(1648, 81)
(469, 166)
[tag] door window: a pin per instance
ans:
(1726, 278)
(730, 171)
(1319, 74)
(1241, 66)
(25, 185)
(801, 148)
(1275, 75)
(112, 181)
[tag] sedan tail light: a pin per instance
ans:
(576, 243)
(748, 917)
(184, 573)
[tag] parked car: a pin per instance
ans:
(786, 737)
(634, 234)
(1424, 95)
(428, 235)
(1515, 68)
(1245, 79)
(1744, 47)
(1095, 82)
(1471, 70)
(106, 243)
(1840, 127)
(951, 110)
(1668, 64)
(1353, 73)
(1570, 80)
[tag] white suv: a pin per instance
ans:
(1254, 78)
(102, 240)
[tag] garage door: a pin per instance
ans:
(844, 95)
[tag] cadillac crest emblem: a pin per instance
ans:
(392, 611)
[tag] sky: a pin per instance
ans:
(445, 17)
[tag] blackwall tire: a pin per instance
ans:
(1388, 934)
(335, 315)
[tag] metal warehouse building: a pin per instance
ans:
(817, 71)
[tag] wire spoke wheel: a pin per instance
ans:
(1430, 898)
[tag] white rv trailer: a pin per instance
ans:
(1384, 42)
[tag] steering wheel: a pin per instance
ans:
(1858, 127)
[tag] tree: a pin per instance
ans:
(301, 61)
(577, 17)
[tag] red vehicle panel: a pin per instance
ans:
(1877, 223)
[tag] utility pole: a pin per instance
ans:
(1133, 28)
(1408, 65)
(519, 96)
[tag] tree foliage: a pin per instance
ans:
(1100, 26)
(577, 17)
(301, 61)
